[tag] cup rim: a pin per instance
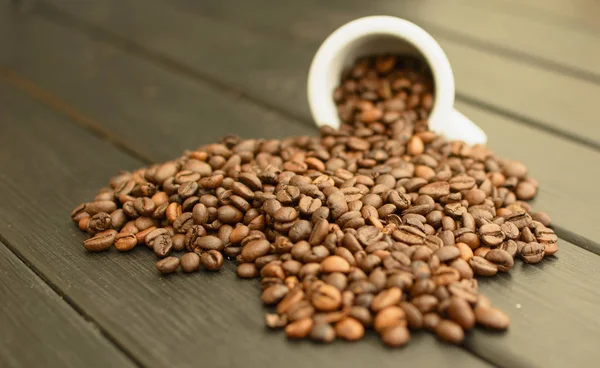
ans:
(321, 103)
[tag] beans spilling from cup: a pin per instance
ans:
(381, 224)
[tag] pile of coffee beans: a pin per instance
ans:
(381, 224)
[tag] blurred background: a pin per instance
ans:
(90, 87)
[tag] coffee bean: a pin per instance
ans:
(349, 329)
(435, 190)
(335, 264)
(323, 333)
(299, 329)
(212, 260)
(501, 258)
(532, 252)
(301, 230)
(492, 318)
(337, 204)
(100, 222)
(460, 312)
(386, 298)
(491, 234)
(247, 271)
(465, 251)
(255, 249)
(431, 320)
(368, 235)
(449, 331)
(125, 242)
(389, 317)
(162, 245)
(101, 241)
(482, 266)
(319, 232)
(395, 336)
(190, 262)
(447, 253)
(285, 214)
(326, 298)
(167, 265)
(209, 242)
(229, 215)
(273, 294)
(414, 317)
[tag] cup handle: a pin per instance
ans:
(459, 127)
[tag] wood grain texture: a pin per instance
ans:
(580, 14)
(501, 28)
(38, 328)
(212, 319)
(543, 97)
(122, 111)
(127, 95)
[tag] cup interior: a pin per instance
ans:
(342, 58)
(371, 36)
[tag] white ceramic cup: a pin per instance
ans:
(385, 34)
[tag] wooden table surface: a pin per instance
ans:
(91, 87)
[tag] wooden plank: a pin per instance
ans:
(162, 321)
(575, 216)
(580, 14)
(125, 296)
(40, 329)
(551, 44)
(100, 79)
(539, 96)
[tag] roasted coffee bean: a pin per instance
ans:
(414, 317)
(274, 320)
(491, 234)
(460, 312)
(100, 222)
(395, 336)
(501, 258)
(389, 317)
(447, 253)
(449, 331)
(229, 215)
(125, 242)
(349, 329)
(299, 329)
(326, 298)
(101, 241)
(431, 320)
(209, 242)
(190, 262)
(386, 298)
(323, 333)
(335, 264)
(212, 260)
(273, 294)
(492, 318)
(482, 266)
(300, 230)
(532, 252)
(162, 245)
(247, 271)
(167, 265)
